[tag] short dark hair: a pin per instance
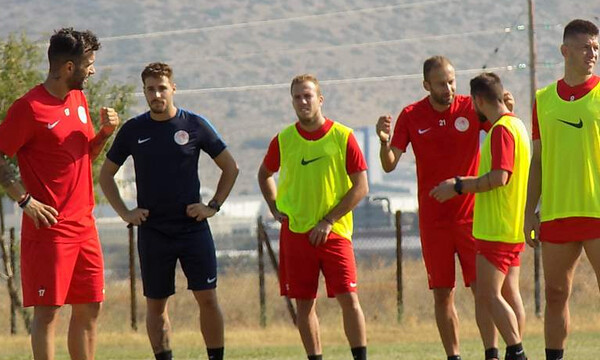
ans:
(489, 86)
(433, 63)
(579, 26)
(299, 79)
(157, 69)
(68, 44)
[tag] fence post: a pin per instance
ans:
(399, 284)
(536, 276)
(13, 260)
(271, 253)
(261, 274)
(132, 278)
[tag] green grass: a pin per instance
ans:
(250, 344)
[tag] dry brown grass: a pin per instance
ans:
(238, 293)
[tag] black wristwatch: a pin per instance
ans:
(458, 185)
(214, 204)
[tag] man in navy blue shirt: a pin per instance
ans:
(165, 144)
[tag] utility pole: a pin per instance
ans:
(533, 88)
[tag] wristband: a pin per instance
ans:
(24, 200)
(327, 220)
(213, 204)
(458, 185)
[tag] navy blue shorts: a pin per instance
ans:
(160, 251)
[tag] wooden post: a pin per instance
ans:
(399, 285)
(273, 258)
(132, 279)
(532, 90)
(13, 260)
(10, 280)
(261, 274)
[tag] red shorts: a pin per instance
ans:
(301, 262)
(501, 255)
(55, 273)
(439, 246)
(572, 229)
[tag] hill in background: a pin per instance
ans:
(234, 59)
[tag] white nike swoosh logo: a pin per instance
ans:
(423, 131)
(141, 141)
(51, 126)
(211, 280)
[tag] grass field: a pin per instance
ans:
(415, 337)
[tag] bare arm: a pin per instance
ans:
(109, 122)
(268, 188)
(471, 184)
(359, 189)
(112, 194)
(534, 190)
(41, 214)
(388, 155)
(229, 173)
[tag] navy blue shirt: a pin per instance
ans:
(165, 155)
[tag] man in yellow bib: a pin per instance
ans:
(322, 177)
(500, 189)
(565, 176)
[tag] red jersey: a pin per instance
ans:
(51, 138)
(573, 228)
(355, 161)
(445, 144)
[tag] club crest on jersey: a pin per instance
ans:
(181, 137)
(82, 114)
(67, 112)
(461, 124)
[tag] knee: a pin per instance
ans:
(46, 315)
(557, 294)
(208, 301)
(443, 298)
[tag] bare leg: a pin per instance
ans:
(42, 331)
(560, 261)
(354, 319)
(485, 324)
(82, 330)
(158, 324)
(308, 326)
(512, 295)
(447, 319)
(489, 285)
(211, 318)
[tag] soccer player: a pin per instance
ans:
(565, 172)
(322, 177)
(501, 186)
(444, 132)
(165, 144)
(51, 132)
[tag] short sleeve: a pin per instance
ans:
(210, 140)
(535, 126)
(503, 149)
(401, 138)
(272, 159)
(355, 160)
(17, 128)
(120, 149)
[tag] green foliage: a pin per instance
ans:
(100, 93)
(20, 70)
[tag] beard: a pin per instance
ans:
(77, 80)
(158, 107)
(481, 117)
(439, 99)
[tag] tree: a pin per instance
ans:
(20, 70)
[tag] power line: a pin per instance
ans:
(335, 81)
(505, 30)
(271, 21)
